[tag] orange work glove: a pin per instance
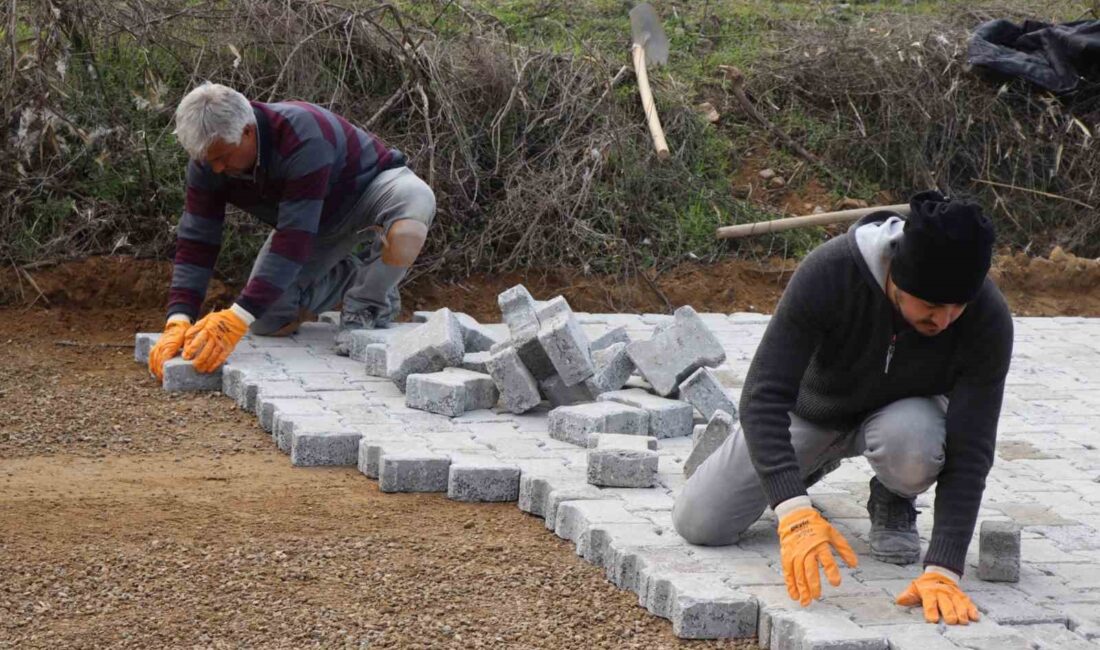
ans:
(210, 341)
(939, 595)
(804, 541)
(168, 346)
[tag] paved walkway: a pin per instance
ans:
(1046, 477)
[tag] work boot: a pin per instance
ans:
(363, 319)
(894, 537)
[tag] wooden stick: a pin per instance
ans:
(650, 107)
(788, 223)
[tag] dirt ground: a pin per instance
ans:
(131, 518)
(134, 518)
(1058, 284)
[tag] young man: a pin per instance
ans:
(888, 342)
(324, 185)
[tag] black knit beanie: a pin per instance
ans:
(946, 250)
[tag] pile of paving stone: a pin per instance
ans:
(612, 395)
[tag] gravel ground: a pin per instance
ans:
(131, 518)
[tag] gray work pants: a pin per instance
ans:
(332, 274)
(904, 442)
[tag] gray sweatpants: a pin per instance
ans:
(903, 441)
(332, 274)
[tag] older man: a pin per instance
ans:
(326, 186)
(889, 342)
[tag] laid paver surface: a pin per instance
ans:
(1046, 478)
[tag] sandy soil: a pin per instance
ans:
(130, 518)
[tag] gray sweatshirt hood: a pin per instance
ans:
(877, 237)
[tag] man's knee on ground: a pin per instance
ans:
(403, 242)
(906, 449)
(699, 526)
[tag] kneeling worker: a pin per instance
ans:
(325, 186)
(889, 342)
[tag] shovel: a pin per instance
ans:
(650, 46)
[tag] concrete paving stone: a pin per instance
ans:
(615, 547)
(567, 347)
(534, 487)
(348, 397)
(573, 424)
(482, 481)
(627, 468)
(712, 436)
(375, 358)
(319, 382)
(621, 441)
(518, 389)
(338, 447)
(475, 336)
(613, 368)
(875, 609)
(143, 343)
(668, 418)
(285, 424)
(1084, 619)
(918, 637)
(476, 362)
(412, 471)
(671, 356)
(700, 609)
(574, 520)
(1014, 608)
(553, 308)
(249, 382)
(450, 392)
(1054, 637)
(705, 392)
(286, 406)
(532, 353)
(999, 551)
(431, 347)
(353, 343)
(518, 308)
(609, 338)
(558, 394)
(985, 634)
(808, 630)
(180, 376)
(562, 488)
(638, 501)
(371, 451)
(1071, 538)
(268, 389)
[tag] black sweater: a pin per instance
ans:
(823, 357)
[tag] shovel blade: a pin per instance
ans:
(648, 32)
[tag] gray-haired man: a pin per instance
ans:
(326, 186)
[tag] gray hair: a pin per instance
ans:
(209, 112)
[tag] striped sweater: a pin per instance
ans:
(313, 166)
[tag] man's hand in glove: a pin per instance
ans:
(168, 346)
(210, 341)
(805, 539)
(940, 595)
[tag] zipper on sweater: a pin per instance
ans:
(890, 352)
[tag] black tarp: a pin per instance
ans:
(1054, 57)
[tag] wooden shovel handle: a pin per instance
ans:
(648, 105)
(779, 225)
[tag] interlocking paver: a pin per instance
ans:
(1046, 479)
